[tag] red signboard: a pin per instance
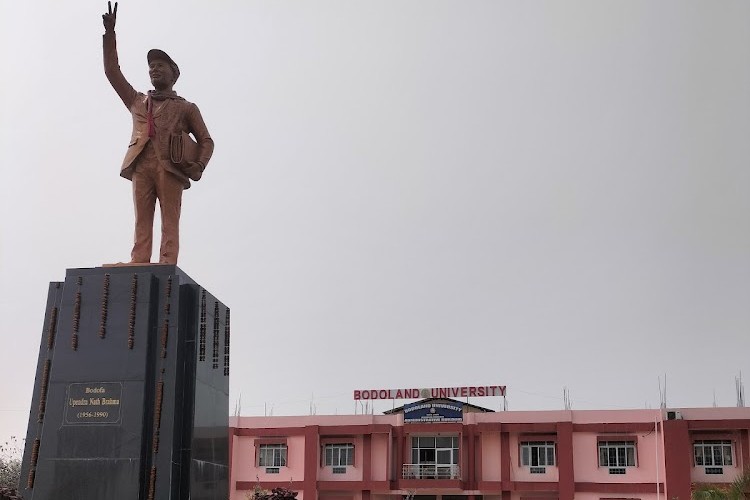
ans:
(435, 392)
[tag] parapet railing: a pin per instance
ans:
(431, 471)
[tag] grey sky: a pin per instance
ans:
(428, 193)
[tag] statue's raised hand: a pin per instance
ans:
(109, 18)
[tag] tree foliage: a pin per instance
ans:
(259, 493)
(739, 489)
(10, 466)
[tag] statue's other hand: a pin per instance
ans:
(194, 171)
(110, 17)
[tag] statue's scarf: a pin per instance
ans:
(157, 95)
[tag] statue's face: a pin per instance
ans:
(162, 76)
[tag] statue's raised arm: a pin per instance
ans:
(109, 18)
(111, 63)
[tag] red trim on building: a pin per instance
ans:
(745, 448)
(478, 465)
(537, 437)
(312, 449)
(431, 484)
(719, 424)
(443, 429)
(678, 457)
(269, 485)
(471, 477)
(531, 427)
(231, 457)
(366, 458)
(344, 485)
(712, 436)
(536, 486)
(356, 430)
(619, 498)
(505, 461)
(489, 487)
(354, 486)
(564, 457)
(275, 432)
(490, 426)
(273, 440)
(621, 427)
(398, 450)
(621, 488)
(618, 437)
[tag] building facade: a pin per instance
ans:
(447, 450)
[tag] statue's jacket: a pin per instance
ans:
(172, 116)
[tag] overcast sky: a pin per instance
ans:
(408, 193)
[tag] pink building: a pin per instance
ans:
(444, 448)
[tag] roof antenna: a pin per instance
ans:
(663, 393)
(313, 406)
(238, 406)
(566, 399)
(740, 388)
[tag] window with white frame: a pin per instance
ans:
(537, 453)
(713, 453)
(272, 455)
(339, 454)
(617, 454)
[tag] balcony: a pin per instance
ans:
(431, 471)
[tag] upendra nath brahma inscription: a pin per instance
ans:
(93, 403)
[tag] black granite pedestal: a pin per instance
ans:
(131, 399)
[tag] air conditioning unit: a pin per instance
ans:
(674, 415)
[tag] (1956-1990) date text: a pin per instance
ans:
(92, 414)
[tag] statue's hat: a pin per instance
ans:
(154, 54)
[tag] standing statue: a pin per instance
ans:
(162, 157)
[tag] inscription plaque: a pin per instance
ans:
(92, 403)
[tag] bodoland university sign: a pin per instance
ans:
(434, 392)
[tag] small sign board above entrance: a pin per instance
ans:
(435, 392)
(433, 412)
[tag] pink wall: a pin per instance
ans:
(516, 417)
(614, 416)
(381, 461)
(490, 456)
(353, 473)
(244, 466)
(698, 473)
(519, 473)
(586, 459)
